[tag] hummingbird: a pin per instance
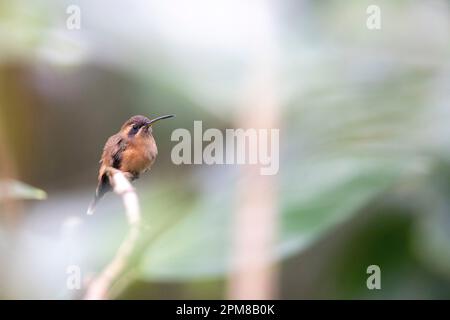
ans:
(132, 150)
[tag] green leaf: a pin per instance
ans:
(431, 233)
(12, 189)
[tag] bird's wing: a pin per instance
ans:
(112, 152)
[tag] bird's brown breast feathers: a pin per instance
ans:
(129, 155)
(139, 155)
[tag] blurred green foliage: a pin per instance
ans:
(364, 174)
(11, 189)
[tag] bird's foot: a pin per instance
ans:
(131, 176)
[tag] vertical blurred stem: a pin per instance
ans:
(9, 208)
(255, 217)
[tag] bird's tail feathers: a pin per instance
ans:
(102, 188)
(92, 206)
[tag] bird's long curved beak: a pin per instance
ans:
(160, 118)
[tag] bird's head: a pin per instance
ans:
(140, 125)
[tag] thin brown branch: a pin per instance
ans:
(100, 287)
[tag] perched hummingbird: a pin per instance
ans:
(132, 150)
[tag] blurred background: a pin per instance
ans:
(364, 119)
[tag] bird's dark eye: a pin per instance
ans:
(134, 129)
